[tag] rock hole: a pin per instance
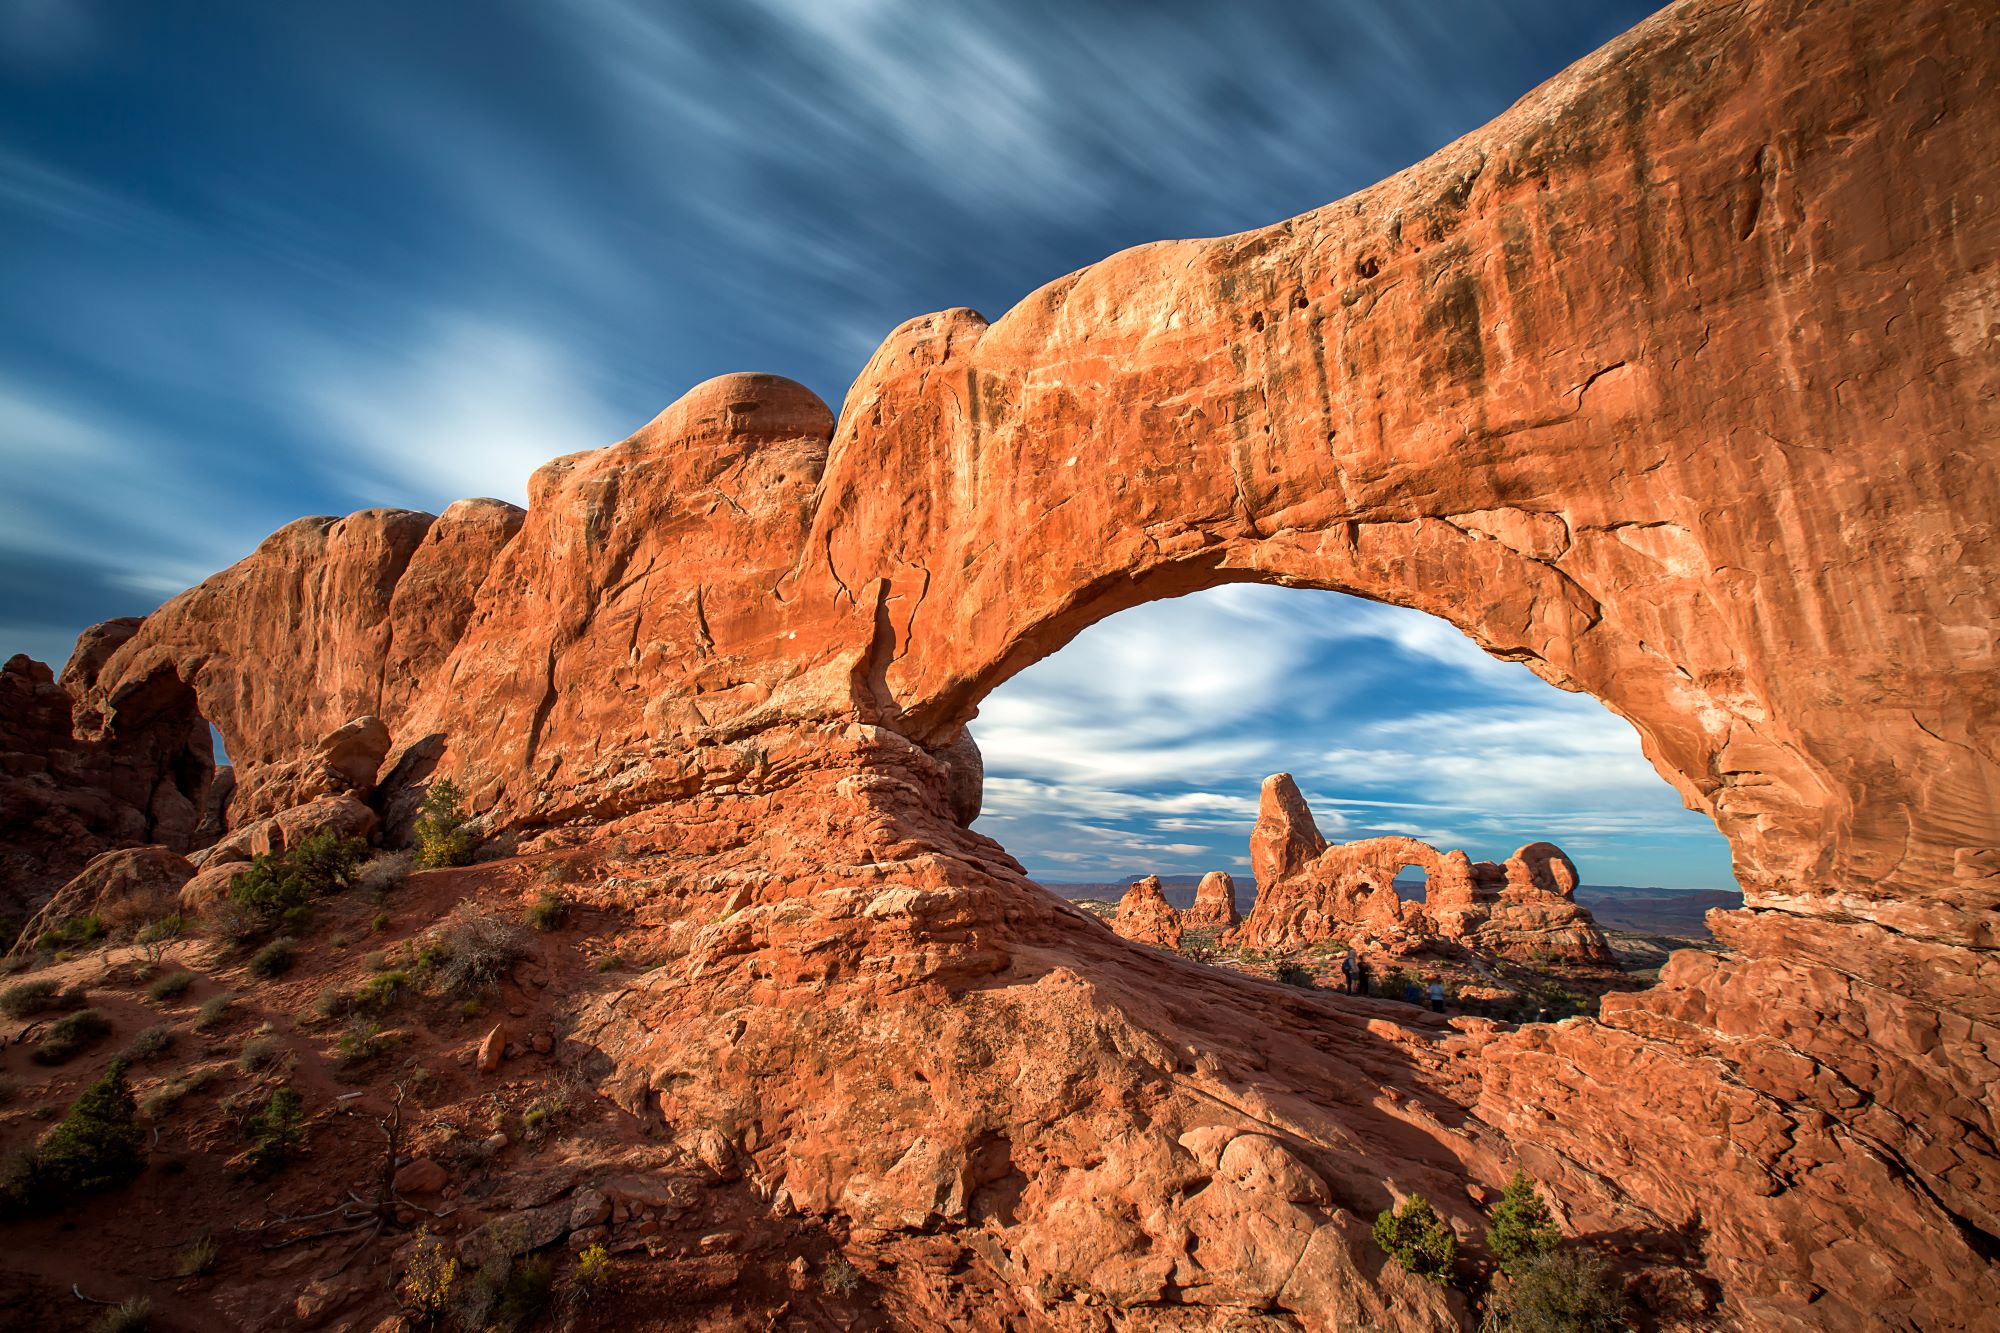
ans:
(1257, 322)
(1368, 266)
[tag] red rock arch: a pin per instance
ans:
(1676, 382)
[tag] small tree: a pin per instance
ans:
(277, 1132)
(442, 836)
(1522, 1226)
(1418, 1239)
(99, 1143)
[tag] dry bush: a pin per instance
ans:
(470, 950)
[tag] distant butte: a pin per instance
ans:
(1679, 383)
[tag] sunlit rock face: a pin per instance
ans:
(1522, 909)
(1677, 382)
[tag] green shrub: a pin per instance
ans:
(277, 1132)
(212, 1012)
(430, 1281)
(441, 833)
(280, 889)
(165, 928)
(525, 1293)
(148, 1043)
(99, 1142)
(268, 889)
(1558, 1291)
(327, 861)
(382, 989)
(1292, 974)
(380, 922)
(30, 997)
(592, 1276)
(1521, 1226)
(611, 962)
(1418, 1239)
(72, 932)
(333, 1001)
(70, 1034)
(549, 910)
(170, 987)
(274, 958)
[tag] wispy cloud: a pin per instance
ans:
(1154, 730)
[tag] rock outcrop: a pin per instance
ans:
(1214, 903)
(1524, 909)
(1145, 915)
(1676, 383)
(123, 889)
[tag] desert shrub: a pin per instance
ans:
(546, 1112)
(1558, 1291)
(260, 1052)
(70, 1034)
(327, 861)
(472, 949)
(549, 910)
(274, 958)
(1292, 974)
(99, 1142)
(170, 987)
(30, 997)
(72, 932)
(1418, 1239)
(169, 1094)
(333, 1001)
(1521, 1226)
(160, 930)
(441, 833)
(524, 1293)
(382, 989)
(277, 1132)
(611, 962)
(839, 1277)
(429, 1278)
(361, 1042)
(592, 1275)
(212, 1012)
(149, 1042)
(382, 873)
(379, 923)
(196, 1257)
(279, 888)
(133, 1315)
(556, 872)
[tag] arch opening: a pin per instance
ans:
(1444, 796)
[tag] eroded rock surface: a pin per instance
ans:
(1145, 915)
(1677, 383)
(1522, 909)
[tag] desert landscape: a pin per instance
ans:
(588, 930)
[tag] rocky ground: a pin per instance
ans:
(418, 1117)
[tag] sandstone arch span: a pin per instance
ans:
(1676, 382)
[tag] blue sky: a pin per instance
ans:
(264, 260)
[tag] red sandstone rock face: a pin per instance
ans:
(1522, 910)
(1145, 915)
(64, 800)
(123, 888)
(1214, 903)
(1677, 383)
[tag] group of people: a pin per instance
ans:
(1355, 969)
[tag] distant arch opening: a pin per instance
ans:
(1412, 884)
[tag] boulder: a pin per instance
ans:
(127, 887)
(1145, 915)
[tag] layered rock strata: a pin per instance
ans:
(1676, 383)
